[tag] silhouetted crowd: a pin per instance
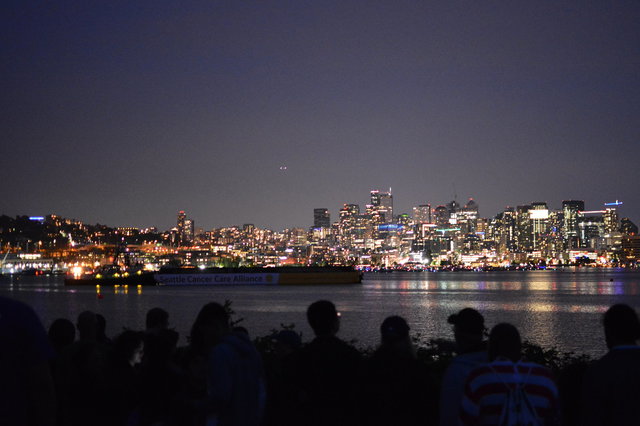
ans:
(76, 375)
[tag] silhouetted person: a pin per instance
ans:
(611, 387)
(157, 319)
(329, 370)
(235, 393)
(471, 349)
(398, 389)
(123, 384)
(62, 333)
(283, 400)
(81, 375)
(487, 396)
(161, 379)
(101, 330)
(26, 388)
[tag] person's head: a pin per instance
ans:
(211, 324)
(129, 347)
(394, 336)
(87, 326)
(323, 318)
(468, 327)
(62, 333)
(621, 326)
(157, 319)
(394, 329)
(504, 342)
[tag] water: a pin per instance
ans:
(550, 308)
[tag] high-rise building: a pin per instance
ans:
(422, 213)
(467, 217)
(186, 228)
(524, 228)
(442, 216)
(188, 231)
(382, 203)
(539, 215)
(571, 210)
(321, 218)
(181, 217)
(610, 217)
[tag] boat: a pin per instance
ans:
(112, 275)
(286, 275)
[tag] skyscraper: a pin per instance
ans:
(422, 213)
(321, 218)
(539, 215)
(382, 203)
(571, 212)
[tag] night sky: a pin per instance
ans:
(124, 112)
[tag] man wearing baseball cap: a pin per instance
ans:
(469, 332)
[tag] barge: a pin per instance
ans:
(192, 276)
(291, 275)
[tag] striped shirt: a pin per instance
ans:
(487, 388)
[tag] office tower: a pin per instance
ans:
(507, 230)
(523, 229)
(610, 217)
(571, 210)
(188, 231)
(539, 215)
(382, 203)
(321, 218)
(467, 217)
(590, 231)
(441, 214)
(422, 213)
(181, 218)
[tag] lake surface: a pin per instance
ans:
(550, 308)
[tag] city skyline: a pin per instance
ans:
(259, 112)
(193, 222)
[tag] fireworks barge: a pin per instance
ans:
(191, 276)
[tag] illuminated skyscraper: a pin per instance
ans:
(382, 203)
(422, 213)
(181, 218)
(188, 231)
(186, 228)
(610, 217)
(539, 215)
(523, 229)
(571, 212)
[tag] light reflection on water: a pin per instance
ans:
(558, 308)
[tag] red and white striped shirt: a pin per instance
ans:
(488, 385)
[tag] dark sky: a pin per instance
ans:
(124, 112)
